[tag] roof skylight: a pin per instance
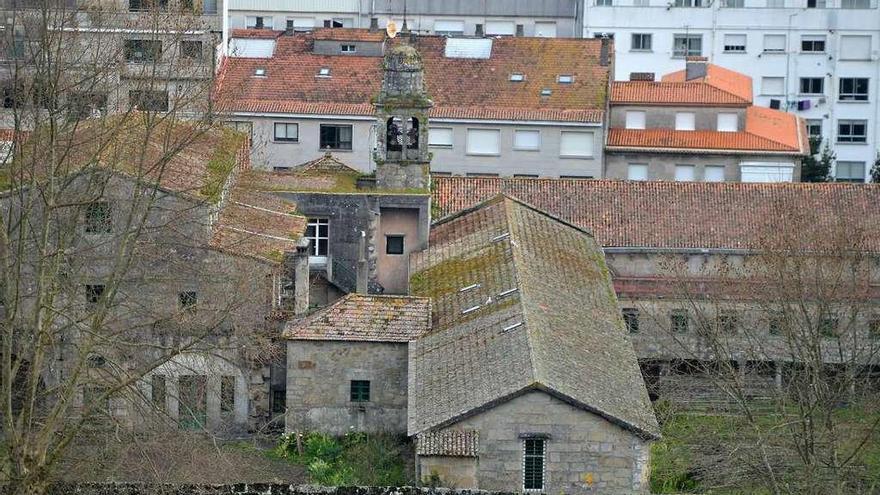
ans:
(260, 72)
(517, 77)
(546, 92)
(324, 72)
(564, 78)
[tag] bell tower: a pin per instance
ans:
(402, 158)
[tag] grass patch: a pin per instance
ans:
(354, 459)
(221, 164)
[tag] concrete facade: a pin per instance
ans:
(584, 452)
(662, 166)
(319, 375)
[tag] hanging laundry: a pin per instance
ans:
(804, 105)
(775, 104)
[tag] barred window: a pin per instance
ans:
(533, 464)
(360, 390)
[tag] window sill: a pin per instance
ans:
(736, 52)
(773, 52)
(846, 102)
(483, 154)
(639, 50)
(858, 143)
(336, 150)
(577, 157)
(286, 141)
(441, 146)
(813, 53)
(532, 150)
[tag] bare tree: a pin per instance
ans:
(775, 353)
(120, 302)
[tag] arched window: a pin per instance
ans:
(413, 135)
(394, 134)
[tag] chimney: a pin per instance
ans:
(295, 281)
(479, 31)
(604, 51)
(695, 68)
(374, 24)
(641, 76)
(361, 285)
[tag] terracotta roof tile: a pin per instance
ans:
(673, 93)
(700, 215)
(735, 83)
(266, 34)
(365, 318)
(460, 88)
(348, 34)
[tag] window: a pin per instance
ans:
(149, 101)
(637, 171)
(735, 43)
(500, 28)
(241, 126)
(815, 4)
(440, 137)
(774, 43)
(360, 391)
(323, 72)
(855, 4)
(301, 24)
(635, 119)
(545, 29)
(347, 48)
(728, 122)
(159, 392)
(335, 137)
(814, 127)
(772, 85)
(604, 3)
(517, 77)
(85, 105)
(855, 47)
(394, 244)
(192, 401)
(99, 218)
(187, 299)
(685, 121)
(286, 132)
(258, 22)
(533, 464)
(526, 140)
(143, 5)
(688, 3)
(852, 131)
(342, 22)
(227, 394)
(874, 327)
(546, 92)
(734, 4)
(483, 141)
(641, 42)
(449, 28)
(849, 172)
(142, 50)
(564, 78)
(687, 45)
(713, 173)
(728, 322)
(774, 323)
(279, 401)
(631, 319)
(191, 49)
(260, 72)
(828, 325)
(576, 144)
(813, 43)
(678, 320)
(853, 89)
(684, 173)
(318, 232)
(766, 172)
(94, 292)
(812, 85)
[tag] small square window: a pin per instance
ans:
(517, 77)
(564, 79)
(631, 318)
(812, 85)
(94, 292)
(191, 49)
(360, 390)
(348, 49)
(286, 132)
(679, 320)
(393, 244)
(641, 42)
(814, 128)
(98, 218)
(187, 299)
(813, 43)
(260, 72)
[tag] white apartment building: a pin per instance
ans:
(819, 59)
(546, 18)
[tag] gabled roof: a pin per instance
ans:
(735, 83)
(365, 318)
(460, 88)
(672, 215)
(654, 93)
(327, 163)
(522, 301)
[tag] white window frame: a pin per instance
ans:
(685, 121)
(732, 43)
(635, 119)
(850, 165)
(848, 51)
(711, 173)
(814, 38)
(437, 132)
(770, 89)
(457, 25)
(286, 138)
(539, 32)
(853, 95)
(641, 168)
(470, 146)
(315, 257)
(728, 122)
(811, 90)
(685, 173)
(591, 139)
(776, 38)
(642, 37)
(852, 137)
(528, 147)
(688, 50)
(767, 171)
(492, 28)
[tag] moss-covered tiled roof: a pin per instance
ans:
(521, 301)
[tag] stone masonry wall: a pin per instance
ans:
(585, 453)
(319, 377)
(244, 489)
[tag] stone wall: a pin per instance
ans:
(585, 453)
(319, 375)
(245, 489)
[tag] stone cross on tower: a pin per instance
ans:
(402, 158)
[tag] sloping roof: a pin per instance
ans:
(349, 34)
(263, 34)
(460, 88)
(327, 163)
(657, 214)
(365, 318)
(735, 83)
(673, 93)
(449, 442)
(766, 131)
(522, 301)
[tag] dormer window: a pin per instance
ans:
(348, 48)
(324, 72)
(260, 72)
(546, 92)
(517, 77)
(564, 78)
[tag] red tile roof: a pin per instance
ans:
(735, 83)
(266, 34)
(659, 214)
(460, 88)
(348, 34)
(766, 131)
(672, 93)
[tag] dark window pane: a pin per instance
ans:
(533, 464)
(227, 394)
(394, 244)
(360, 390)
(159, 392)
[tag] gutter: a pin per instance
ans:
(703, 150)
